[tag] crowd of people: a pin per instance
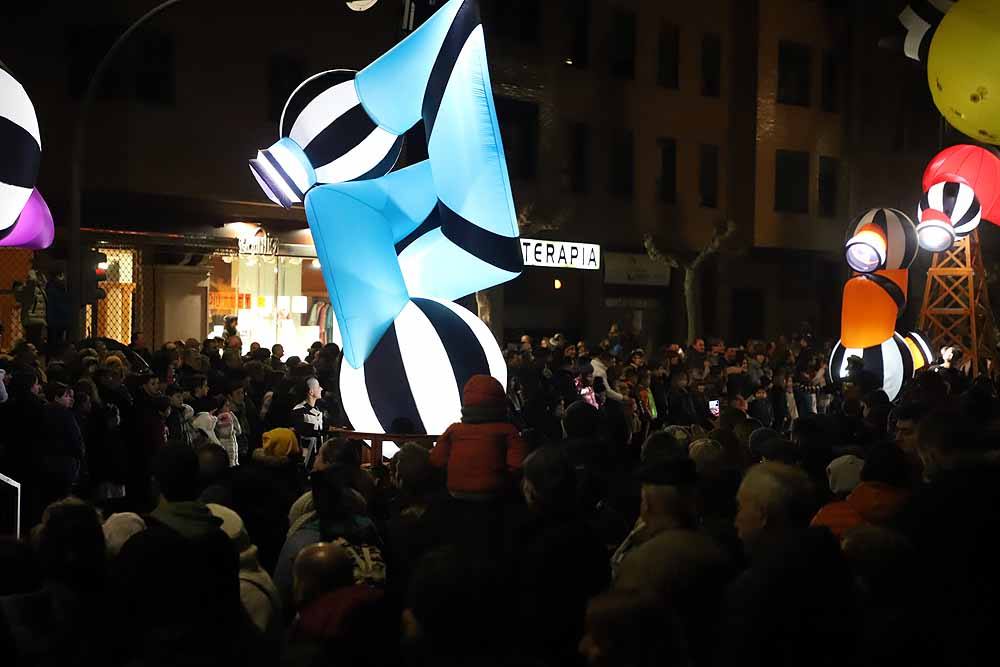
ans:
(696, 505)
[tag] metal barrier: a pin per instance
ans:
(117, 315)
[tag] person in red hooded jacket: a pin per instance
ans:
(482, 451)
(879, 497)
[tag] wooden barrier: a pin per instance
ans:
(373, 455)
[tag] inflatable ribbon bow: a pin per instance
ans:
(439, 229)
(25, 220)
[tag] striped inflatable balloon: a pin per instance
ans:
(920, 19)
(891, 362)
(20, 149)
(898, 231)
(326, 137)
(957, 201)
(325, 117)
(419, 368)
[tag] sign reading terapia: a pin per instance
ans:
(561, 254)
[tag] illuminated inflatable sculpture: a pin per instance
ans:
(961, 187)
(881, 246)
(25, 220)
(397, 247)
(960, 44)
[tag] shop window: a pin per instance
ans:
(277, 299)
(791, 182)
(668, 62)
(708, 175)
(622, 47)
(519, 129)
(794, 63)
(711, 65)
(667, 184)
(829, 175)
(622, 165)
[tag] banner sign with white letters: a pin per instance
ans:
(561, 254)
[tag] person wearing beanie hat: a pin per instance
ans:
(118, 528)
(481, 452)
(257, 591)
(844, 474)
(878, 497)
(278, 446)
(204, 424)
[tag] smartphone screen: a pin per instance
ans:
(713, 407)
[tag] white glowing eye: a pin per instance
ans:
(863, 258)
(935, 236)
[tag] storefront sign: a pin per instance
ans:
(227, 301)
(258, 244)
(622, 268)
(561, 254)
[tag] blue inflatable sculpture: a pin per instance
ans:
(431, 232)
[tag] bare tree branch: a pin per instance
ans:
(718, 238)
(721, 235)
(657, 255)
(531, 222)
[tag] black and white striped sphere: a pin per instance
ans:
(900, 234)
(958, 201)
(325, 117)
(920, 19)
(891, 362)
(419, 368)
(20, 149)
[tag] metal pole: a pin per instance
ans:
(75, 273)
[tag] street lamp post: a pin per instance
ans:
(76, 166)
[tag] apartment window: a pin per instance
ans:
(622, 53)
(794, 63)
(621, 167)
(577, 13)
(711, 65)
(154, 69)
(669, 56)
(829, 175)
(513, 20)
(519, 131)
(579, 158)
(708, 175)
(285, 73)
(791, 182)
(667, 184)
(830, 91)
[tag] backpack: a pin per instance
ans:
(369, 565)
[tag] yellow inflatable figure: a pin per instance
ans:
(963, 68)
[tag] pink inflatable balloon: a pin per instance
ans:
(34, 228)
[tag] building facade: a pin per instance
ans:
(620, 118)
